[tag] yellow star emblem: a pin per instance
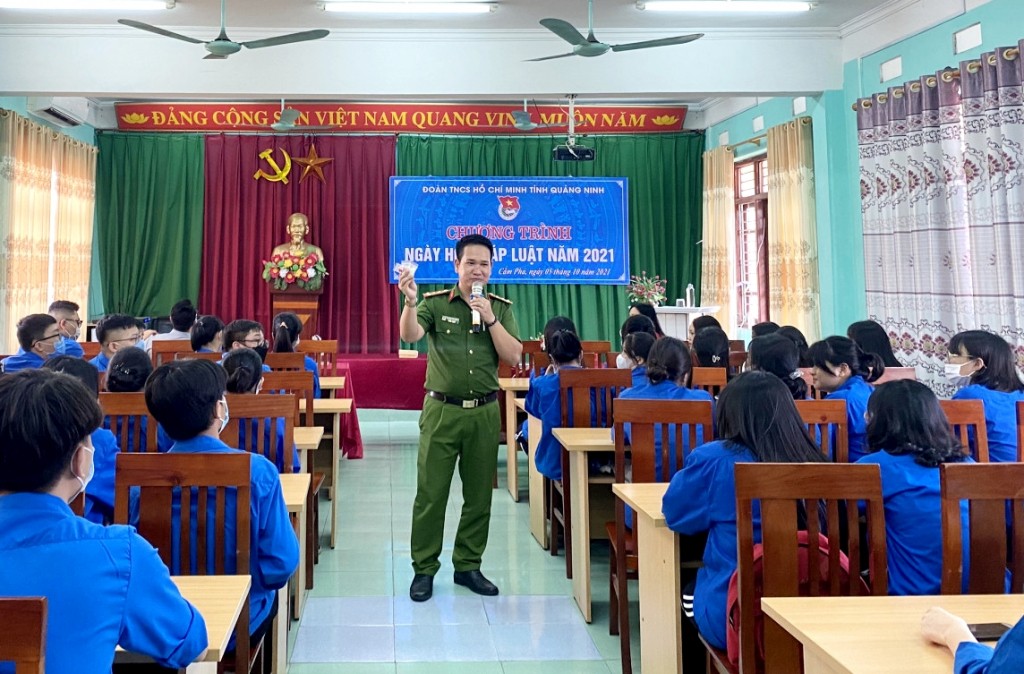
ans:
(312, 162)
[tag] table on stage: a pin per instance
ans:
(511, 386)
(335, 407)
(659, 587)
(342, 385)
(295, 489)
(579, 442)
(857, 635)
(219, 599)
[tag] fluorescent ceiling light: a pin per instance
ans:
(90, 5)
(410, 7)
(711, 6)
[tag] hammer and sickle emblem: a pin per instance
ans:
(280, 175)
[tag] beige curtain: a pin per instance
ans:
(792, 229)
(75, 168)
(718, 276)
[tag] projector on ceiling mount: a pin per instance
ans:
(573, 153)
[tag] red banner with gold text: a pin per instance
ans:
(395, 117)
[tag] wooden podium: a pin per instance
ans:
(299, 301)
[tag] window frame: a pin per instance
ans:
(759, 201)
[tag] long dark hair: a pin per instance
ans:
(638, 346)
(564, 347)
(244, 369)
(287, 328)
(872, 338)
(835, 350)
(711, 346)
(638, 323)
(775, 354)
(669, 360)
(648, 310)
(904, 417)
(1000, 370)
(555, 324)
(757, 411)
(128, 371)
(204, 331)
(797, 337)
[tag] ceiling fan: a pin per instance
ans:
(221, 47)
(522, 121)
(288, 117)
(590, 46)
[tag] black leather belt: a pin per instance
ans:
(465, 404)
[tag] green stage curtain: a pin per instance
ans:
(149, 220)
(665, 175)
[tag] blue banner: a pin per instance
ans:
(544, 230)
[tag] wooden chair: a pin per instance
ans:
(675, 423)
(894, 373)
(986, 488)
(737, 361)
(286, 361)
(821, 417)
(598, 388)
(77, 506)
(1020, 431)
(967, 417)
(710, 379)
(163, 350)
(299, 384)
(532, 359)
(23, 626)
(197, 488)
(213, 356)
(253, 426)
(737, 345)
(595, 353)
(90, 349)
(808, 377)
(127, 414)
(324, 352)
(782, 488)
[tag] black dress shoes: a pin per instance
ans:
(476, 582)
(422, 587)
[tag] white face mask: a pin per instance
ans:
(624, 362)
(84, 481)
(227, 415)
(953, 375)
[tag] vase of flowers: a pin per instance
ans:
(286, 270)
(646, 289)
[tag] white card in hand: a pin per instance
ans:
(407, 264)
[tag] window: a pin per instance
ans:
(752, 241)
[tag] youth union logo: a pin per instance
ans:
(508, 207)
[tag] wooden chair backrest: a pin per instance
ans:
(23, 626)
(967, 418)
(286, 361)
(808, 378)
(163, 350)
(737, 361)
(831, 489)
(737, 345)
(588, 388)
(169, 482)
(531, 350)
(258, 413)
(674, 422)
(821, 416)
(77, 506)
(595, 353)
(214, 356)
(324, 352)
(126, 412)
(710, 379)
(1020, 431)
(299, 384)
(90, 349)
(894, 373)
(986, 487)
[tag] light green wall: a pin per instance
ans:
(840, 246)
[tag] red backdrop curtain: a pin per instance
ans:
(348, 218)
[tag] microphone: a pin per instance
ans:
(478, 291)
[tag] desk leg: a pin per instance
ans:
(579, 494)
(202, 668)
(336, 464)
(512, 456)
(661, 645)
(537, 496)
(813, 663)
(299, 579)
(279, 633)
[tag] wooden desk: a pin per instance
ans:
(855, 635)
(219, 599)
(511, 386)
(579, 442)
(536, 480)
(334, 407)
(661, 644)
(307, 440)
(331, 384)
(295, 489)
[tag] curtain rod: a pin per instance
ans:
(756, 140)
(947, 75)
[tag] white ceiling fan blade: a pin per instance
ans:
(662, 42)
(291, 38)
(548, 58)
(564, 30)
(159, 31)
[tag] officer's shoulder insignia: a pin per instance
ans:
(436, 293)
(499, 298)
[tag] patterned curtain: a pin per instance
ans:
(792, 229)
(718, 274)
(75, 168)
(941, 166)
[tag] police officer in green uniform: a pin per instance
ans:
(468, 335)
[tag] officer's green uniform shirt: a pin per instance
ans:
(462, 364)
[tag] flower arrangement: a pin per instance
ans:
(286, 269)
(646, 289)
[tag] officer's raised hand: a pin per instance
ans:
(407, 284)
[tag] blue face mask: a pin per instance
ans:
(61, 347)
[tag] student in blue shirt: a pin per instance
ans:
(780, 356)
(69, 324)
(872, 338)
(942, 627)
(756, 420)
(287, 328)
(793, 334)
(543, 400)
(711, 349)
(245, 375)
(104, 586)
(245, 334)
(37, 337)
(115, 332)
(553, 325)
(908, 437)
(842, 370)
(187, 398)
(633, 324)
(127, 373)
(207, 335)
(637, 346)
(985, 363)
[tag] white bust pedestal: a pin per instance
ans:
(675, 321)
